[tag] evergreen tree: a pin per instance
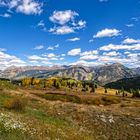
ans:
(123, 92)
(105, 90)
(93, 88)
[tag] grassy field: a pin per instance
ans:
(28, 114)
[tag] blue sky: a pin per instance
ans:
(72, 32)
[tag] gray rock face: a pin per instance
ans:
(102, 74)
(137, 70)
(114, 72)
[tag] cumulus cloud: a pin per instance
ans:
(50, 55)
(108, 59)
(36, 58)
(73, 39)
(65, 22)
(131, 41)
(28, 7)
(2, 49)
(86, 63)
(63, 54)
(89, 57)
(53, 47)
(107, 33)
(79, 25)
(74, 52)
(5, 15)
(62, 30)
(120, 47)
(39, 47)
(62, 17)
(41, 25)
(129, 25)
(94, 52)
(113, 53)
(44, 57)
(7, 60)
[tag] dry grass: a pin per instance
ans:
(16, 104)
(65, 120)
(90, 99)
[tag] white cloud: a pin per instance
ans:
(28, 7)
(61, 30)
(107, 33)
(91, 40)
(36, 58)
(131, 41)
(7, 60)
(108, 59)
(61, 58)
(65, 22)
(39, 47)
(94, 52)
(63, 55)
(129, 25)
(120, 47)
(2, 49)
(5, 15)
(73, 39)
(44, 57)
(134, 55)
(81, 24)
(89, 57)
(74, 52)
(126, 52)
(51, 55)
(135, 18)
(87, 63)
(47, 63)
(62, 17)
(114, 53)
(53, 47)
(41, 23)
(50, 48)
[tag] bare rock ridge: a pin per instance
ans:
(103, 74)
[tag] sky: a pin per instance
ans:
(69, 32)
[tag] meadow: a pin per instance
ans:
(30, 113)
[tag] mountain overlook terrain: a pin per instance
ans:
(102, 74)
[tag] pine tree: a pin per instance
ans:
(105, 90)
(93, 88)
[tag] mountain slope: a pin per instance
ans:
(111, 73)
(102, 74)
(127, 84)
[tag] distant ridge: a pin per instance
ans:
(102, 74)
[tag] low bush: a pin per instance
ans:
(94, 101)
(15, 104)
(62, 97)
(106, 100)
(110, 100)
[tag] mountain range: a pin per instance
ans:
(102, 74)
